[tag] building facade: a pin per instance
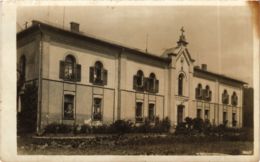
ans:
(83, 79)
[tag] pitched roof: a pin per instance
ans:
(211, 75)
(44, 26)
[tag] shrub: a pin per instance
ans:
(122, 126)
(27, 118)
(59, 128)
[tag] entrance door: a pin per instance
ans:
(180, 113)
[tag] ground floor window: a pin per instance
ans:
(206, 114)
(198, 113)
(180, 114)
(68, 107)
(234, 121)
(224, 117)
(139, 112)
(151, 113)
(97, 115)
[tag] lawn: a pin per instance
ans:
(135, 144)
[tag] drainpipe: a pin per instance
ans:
(39, 103)
(119, 85)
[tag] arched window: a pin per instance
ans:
(69, 69)
(138, 81)
(180, 84)
(152, 84)
(234, 99)
(198, 90)
(225, 97)
(207, 93)
(22, 67)
(98, 75)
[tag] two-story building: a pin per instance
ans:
(84, 79)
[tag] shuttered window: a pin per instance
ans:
(225, 97)
(199, 91)
(234, 99)
(97, 74)
(141, 83)
(69, 70)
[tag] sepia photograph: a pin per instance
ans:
(149, 80)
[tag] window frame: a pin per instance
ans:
(151, 118)
(97, 116)
(139, 117)
(180, 84)
(65, 104)
(98, 75)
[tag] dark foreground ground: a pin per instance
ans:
(132, 144)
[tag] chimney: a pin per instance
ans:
(197, 67)
(74, 27)
(204, 67)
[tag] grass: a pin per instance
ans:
(131, 145)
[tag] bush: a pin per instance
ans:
(59, 128)
(122, 126)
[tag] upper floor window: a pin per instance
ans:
(180, 84)
(69, 69)
(97, 74)
(152, 84)
(225, 97)
(234, 99)
(199, 91)
(139, 81)
(207, 93)
(22, 67)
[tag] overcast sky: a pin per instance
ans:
(220, 36)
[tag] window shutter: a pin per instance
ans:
(91, 74)
(142, 82)
(147, 84)
(135, 82)
(156, 86)
(78, 73)
(204, 94)
(210, 95)
(62, 66)
(102, 75)
(105, 77)
(197, 93)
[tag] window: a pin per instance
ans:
(151, 112)
(225, 97)
(224, 117)
(234, 121)
(152, 84)
(139, 81)
(68, 107)
(206, 115)
(180, 110)
(198, 90)
(180, 84)
(198, 113)
(97, 115)
(97, 74)
(69, 70)
(207, 94)
(234, 99)
(22, 67)
(139, 112)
